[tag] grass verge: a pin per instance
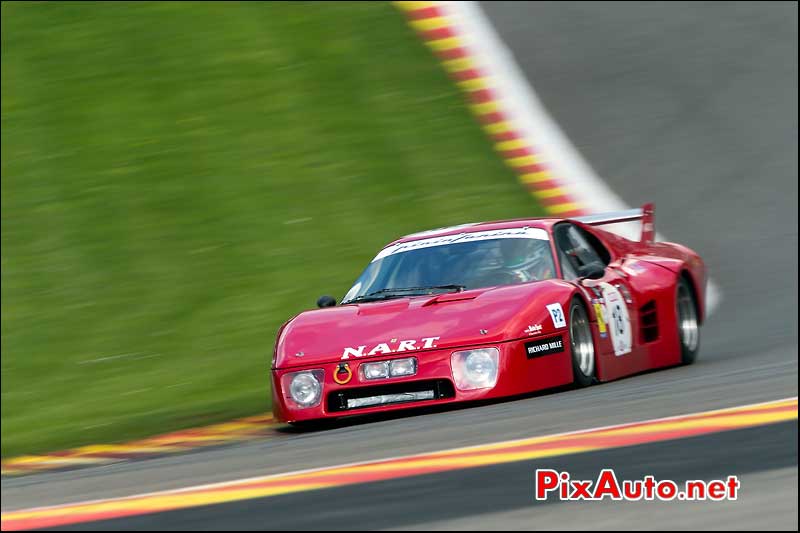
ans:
(178, 179)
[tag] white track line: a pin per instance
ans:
(532, 120)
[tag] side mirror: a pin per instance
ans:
(593, 270)
(326, 301)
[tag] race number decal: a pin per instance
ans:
(557, 314)
(619, 322)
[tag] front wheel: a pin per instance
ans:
(688, 325)
(580, 335)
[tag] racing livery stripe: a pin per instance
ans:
(179, 441)
(496, 453)
(436, 29)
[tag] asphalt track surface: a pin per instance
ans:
(693, 106)
(445, 497)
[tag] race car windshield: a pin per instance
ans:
(433, 268)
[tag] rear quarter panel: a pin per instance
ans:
(674, 257)
(653, 270)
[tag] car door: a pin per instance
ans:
(617, 351)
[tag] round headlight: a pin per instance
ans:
(305, 389)
(475, 369)
(481, 367)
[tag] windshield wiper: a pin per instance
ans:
(454, 288)
(391, 292)
(372, 298)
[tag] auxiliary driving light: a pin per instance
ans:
(395, 368)
(403, 367)
(377, 370)
(475, 369)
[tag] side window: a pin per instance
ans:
(575, 250)
(567, 270)
(597, 246)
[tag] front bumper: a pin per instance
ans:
(433, 384)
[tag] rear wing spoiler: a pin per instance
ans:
(646, 214)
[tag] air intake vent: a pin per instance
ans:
(648, 318)
(412, 391)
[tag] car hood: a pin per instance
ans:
(450, 320)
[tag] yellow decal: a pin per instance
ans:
(601, 322)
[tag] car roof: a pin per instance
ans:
(543, 223)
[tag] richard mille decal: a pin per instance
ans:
(546, 346)
(386, 347)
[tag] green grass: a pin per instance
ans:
(178, 180)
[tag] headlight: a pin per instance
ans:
(305, 388)
(475, 369)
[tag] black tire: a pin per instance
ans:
(582, 345)
(687, 321)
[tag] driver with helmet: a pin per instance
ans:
(527, 259)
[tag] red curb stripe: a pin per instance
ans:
(491, 118)
(444, 32)
(467, 74)
(424, 13)
(534, 168)
(509, 135)
(517, 152)
(453, 53)
(450, 31)
(542, 185)
(481, 96)
(556, 200)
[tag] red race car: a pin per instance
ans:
(490, 310)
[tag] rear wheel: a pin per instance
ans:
(688, 325)
(580, 336)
